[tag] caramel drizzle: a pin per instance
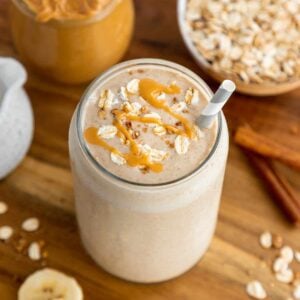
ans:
(133, 159)
(149, 90)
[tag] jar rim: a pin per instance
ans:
(96, 17)
(139, 63)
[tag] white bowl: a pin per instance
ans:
(265, 89)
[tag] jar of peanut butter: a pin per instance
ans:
(71, 41)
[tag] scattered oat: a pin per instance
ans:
(117, 159)
(5, 232)
(3, 208)
(280, 265)
(277, 241)
(265, 240)
(31, 224)
(181, 144)
(256, 290)
(133, 86)
(107, 131)
(159, 130)
(287, 254)
(285, 276)
(34, 251)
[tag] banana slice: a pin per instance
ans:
(49, 284)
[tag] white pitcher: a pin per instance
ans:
(16, 116)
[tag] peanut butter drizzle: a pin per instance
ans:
(46, 10)
(150, 89)
(133, 158)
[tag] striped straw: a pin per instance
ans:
(215, 105)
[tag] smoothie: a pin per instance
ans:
(147, 180)
(144, 139)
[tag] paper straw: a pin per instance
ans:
(215, 105)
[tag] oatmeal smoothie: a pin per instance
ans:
(147, 179)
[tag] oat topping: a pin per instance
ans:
(192, 96)
(181, 144)
(250, 41)
(3, 208)
(159, 130)
(31, 224)
(199, 132)
(179, 107)
(133, 86)
(107, 131)
(107, 99)
(154, 154)
(124, 94)
(152, 115)
(117, 159)
(162, 96)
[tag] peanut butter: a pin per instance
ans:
(46, 10)
(71, 41)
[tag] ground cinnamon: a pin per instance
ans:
(247, 138)
(278, 185)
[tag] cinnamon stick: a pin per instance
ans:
(251, 140)
(278, 186)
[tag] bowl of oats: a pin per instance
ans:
(254, 43)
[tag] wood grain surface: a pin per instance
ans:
(41, 186)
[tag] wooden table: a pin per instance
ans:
(41, 186)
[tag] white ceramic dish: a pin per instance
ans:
(16, 116)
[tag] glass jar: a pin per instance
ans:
(146, 232)
(73, 51)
